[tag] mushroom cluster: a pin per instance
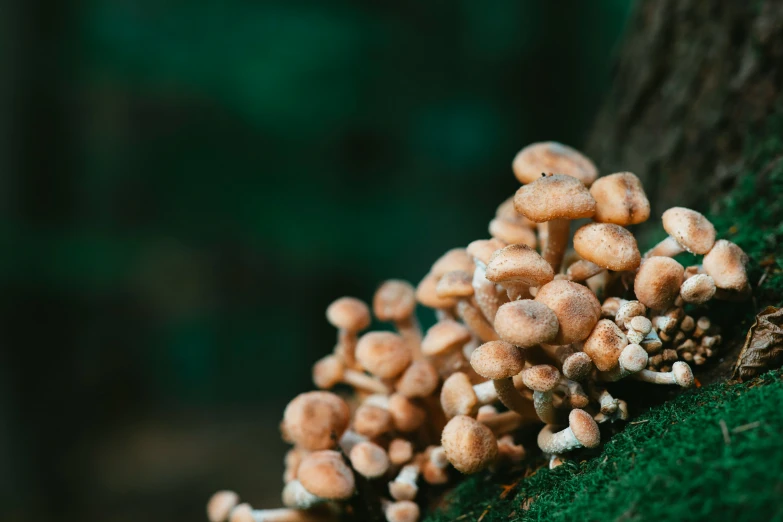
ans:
(528, 332)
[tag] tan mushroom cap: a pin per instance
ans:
(454, 259)
(406, 416)
(605, 344)
(456, 283)
(400, 451)
(541, 377)
(497, 360)
(576, 307)
(369, 459)
(551, 157)
(620, 199)
(512, 233)
(607, 245)
(220, 505)
(584, 428)
(554, 197)
(312, 418)
(328, 371)
(325, 475)
(683, 375)
(698, 289)
(482, 249)
(427, 294)
(725, 263)
(402, 511)
(457, 396)
(348, 313)
(577, 366)
(443, 337)
(394, 300)
(507, 212)
(384, 354)
(420, 379)
(470, 445)
(519, 264)
(658, 281)
(526, 323)
(633, 358)
(690, 229)
(372, 421)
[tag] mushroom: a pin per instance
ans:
(638, 328)
(372, 421)
(582, 432)
(582, 270)
(312, 420)
(404, 486)
(627, 311)
(574, 364)
(427, 295)
(406, 415)
(384, 354)
(526, 323)
(512, 227)
(434, 466)
(509, 452)
(322, 476)
(688, 230)
(459, 285)
(331, 370)
(725, 263)
(369, 460)
(420, 379)
(400, 511)
(245, 513)
(293, 458)
(459, 396)
(658, 281)
(542, 379)
(607, 245)
(555, 200)
(220, 505)
(486, 294)
(470, 445)
(442, 342)
(454, 259)
(400, 451)
(605, 344)
(350, 316)
(576, 307)
(500, 361)
(698, 289)
(632, 359)
(680, 374)
(620, 199)
(518, 267)
(551, 157)
(395, 301)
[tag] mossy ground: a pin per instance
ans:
(712, 453)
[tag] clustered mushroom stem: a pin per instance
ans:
(346, 341)
(510, 396)
(486, 393)
(556, 243)
(557, 442)
(486, 293)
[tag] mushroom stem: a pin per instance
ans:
(486, 294)
(296, 496)
(486, 392)
(577, 397)
(510, 396)
(475, 321)
(543, 402)
(404, 486)
(556, 242)
(346, 347)
(565, 440)
(362, 381)
(680, 375)
(244, 513)
(669, 247)
(410, 330)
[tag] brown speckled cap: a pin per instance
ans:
(497, 360)
(698, 289)
(470, 446)
(369, 460)
(454, 259)
(482, 249)
(427, 294)
(690, 229)
(420, 379)
(725, 263)
(607, 245)
(551, 157)
(324, 474)
(371, 421)
(526, 323)
(519, 264)
(576, 307)
(554, 197)
(541, 377)
(384, 354)
(620, 199)
(658, 281)
(348, 313)
(313, 419)
(394, 300)
(402, 511)
(443, 337)
(456, 283)
(605, 344)
(584, 428)
(457, 396)
(507, 212)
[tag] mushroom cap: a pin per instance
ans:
(627, 311)
(519, 264)
(620, 199)
(457, 396)
(372, 421)
(725, 263)
(576, 307)
(419, 380)
(584, 428)
(394, 300)
(554, 197)
(402, 511)
(511, 232)
(328, 371)
(400, 451)
(325, 475)
(242, 513)
(690, 229)
(698, 289)
(658, 282)
(551, 157)
(369, 459)
(577, 366)
(640, 324)
(607, 245)
(526, 323)
(541, 377)
(507, 212)
(605, 344)
(683, 375)
(406, 416)
(633, 358)
(220, 505)
(497, 360)
(444, 336)
(311, 419)
(384, 354)
(348, 313)
(456, 283)
(470, 445)
(482, 249)
(426, 293)
(454, 259)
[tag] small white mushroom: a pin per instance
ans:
(404, 486)
(680, 375)
(698, 289)
(582, 431)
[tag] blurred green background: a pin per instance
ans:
(185, 186)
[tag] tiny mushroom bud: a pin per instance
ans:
(384, 354)
(470, 445)
(607, 245)
(576, 307)
(551, 157)
(313, 419)
(680, 374)
(698, 289)
(575, 365)
(500, 361)
(658, 281)
(369, 460)
(542, 379)
(620, 199)
(322, 476)
(401, 511)
(518, 267)
(582, 431)
(633, 359)
(400, 451)
(688, 230)
(220, 505)
(395, 301)
(331, 370)
(420, 379)
(605, 344)
(555, 200)
(725, 263)
(627, 311)
(350, 316)
(526, 323)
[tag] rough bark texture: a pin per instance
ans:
(693, 79)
